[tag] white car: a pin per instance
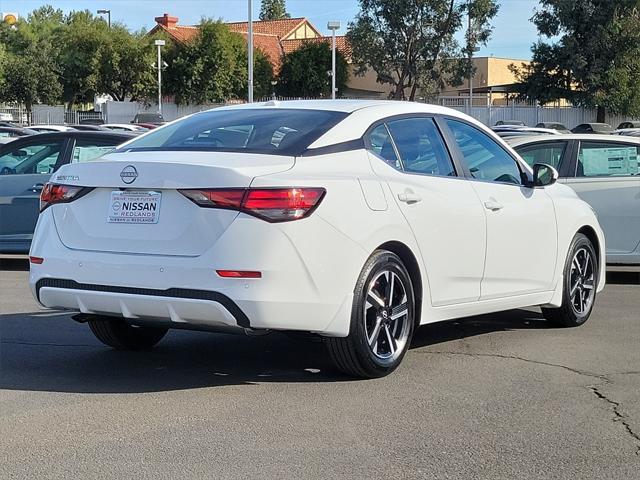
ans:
(354, 220)
(124, 127)
(51, 128)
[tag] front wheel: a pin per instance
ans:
(120, 335)
(382, 319)
(580, 283)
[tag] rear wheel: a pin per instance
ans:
(122, 336)
(580, 282)
(382, 319)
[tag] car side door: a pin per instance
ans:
(606, 175)
(520, 220)
(441, 208)
(25, 166)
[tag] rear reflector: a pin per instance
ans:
(55, 193)
(238, 274)
(36, 260)
(270, 204)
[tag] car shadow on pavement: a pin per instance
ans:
(49, 352)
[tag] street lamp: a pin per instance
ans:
(333, 26)
(250, 52)
(159, 44)
(273, 88)
(107, 13)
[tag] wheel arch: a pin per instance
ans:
(413, 267)
(590, 233)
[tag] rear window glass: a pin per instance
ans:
(270, 131)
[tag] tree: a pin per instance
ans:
(210, 68)
(125, 68)
(273, 10)
(591, 57)
(81, 41)
(304, 71)
(412, 44)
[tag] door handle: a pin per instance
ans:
(493, 205)
(37, 187)
(409, 197)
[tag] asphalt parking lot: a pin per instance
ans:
(496, 396)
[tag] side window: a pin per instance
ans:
(30, 159)
(421, 147)
(599, 159)
(485, 159)
(551, 153)
(87, 150)
(382, 146)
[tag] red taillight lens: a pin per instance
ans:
(54, 193)
(270, 204)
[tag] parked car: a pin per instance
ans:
(8, 134)
(602, 128)
(125, 127)
(155, 118)
(51, 128)
(92, 121)
(627, 125)
(604, 172)
(518, 131)
(87, 127)
(354, 220)
(148, 126)
(560, 127)
(26, 164)
(511, 122)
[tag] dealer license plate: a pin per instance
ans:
(134, 207)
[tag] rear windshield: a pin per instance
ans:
(269, 131)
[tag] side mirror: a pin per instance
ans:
(544, 175)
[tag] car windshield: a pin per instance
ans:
(268, 131)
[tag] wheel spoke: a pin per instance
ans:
(573, 290)
(373, 339)
(399, 311)
(390, 283)
(586, 263)
(374, 299)
(576, 264)
(393, 346)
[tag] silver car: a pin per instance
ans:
(605, 172)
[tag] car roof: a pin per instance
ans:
(517, 141)
(75, 134)
(340, 105)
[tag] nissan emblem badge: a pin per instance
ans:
(129, 174)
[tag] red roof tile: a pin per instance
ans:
(281, 28)
(342, 45)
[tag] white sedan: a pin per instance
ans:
(354, 220)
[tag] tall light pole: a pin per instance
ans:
(250, 50)
(333, 26)
(107, 13)
(471, 39)
(159, 44)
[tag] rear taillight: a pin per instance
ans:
(54, 193)
(270, 204)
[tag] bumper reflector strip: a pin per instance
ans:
(238, 274)
(36, 260)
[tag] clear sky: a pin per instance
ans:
(512, 37)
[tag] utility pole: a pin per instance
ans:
(108, 13)
(250, 49)
(333, 26)
(159, 44)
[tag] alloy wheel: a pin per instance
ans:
(582, 281)
(386, 316)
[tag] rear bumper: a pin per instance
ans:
(306, 284)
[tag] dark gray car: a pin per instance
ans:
(26, 164)
(605, 172)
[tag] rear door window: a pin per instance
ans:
(551, 153)
(31, 159)
(421, 147)
(601, 159)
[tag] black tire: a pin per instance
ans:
(120, 335)
(569, 314)
(353, 354)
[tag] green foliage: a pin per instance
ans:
(273, 10)
(304, 71)
(212, 67)
(591, 57)
(411, 44)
